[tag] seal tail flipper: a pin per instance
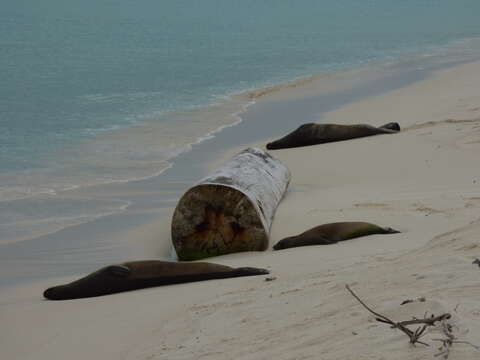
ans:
(250, 271)
(389, 230)
(394, 126)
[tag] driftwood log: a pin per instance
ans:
(232, 209)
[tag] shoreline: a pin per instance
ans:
(424, 181)
(455, 51)
(314, 97)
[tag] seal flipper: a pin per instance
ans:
(394, 126)
(250, 271)
(119, 270)
(389, 230)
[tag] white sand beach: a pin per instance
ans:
(423, 181)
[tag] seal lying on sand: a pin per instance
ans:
(143, 274)
(331, 233)
(312, 134)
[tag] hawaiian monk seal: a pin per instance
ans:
(312, 134)
(143, 274)
(331, 233)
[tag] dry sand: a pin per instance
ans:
(424, 181)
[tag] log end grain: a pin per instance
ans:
(212, 220)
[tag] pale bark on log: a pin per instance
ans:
(231, 210)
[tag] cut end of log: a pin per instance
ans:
(212, 220)
(232, 209)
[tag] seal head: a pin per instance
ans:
(107, 280)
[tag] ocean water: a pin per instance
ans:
(109, 91)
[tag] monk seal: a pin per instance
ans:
(143, 274)
(312, 134)
(331, 233)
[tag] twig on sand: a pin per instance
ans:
(402, 325)
(408, 301)
(449, 340)
(414, 336)
(429, 321)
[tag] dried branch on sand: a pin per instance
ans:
(449, 340)
(402, 325)
(414, 336)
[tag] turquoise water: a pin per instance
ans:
(103, 91)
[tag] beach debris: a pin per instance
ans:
(408, 301)
(476, 261)
(272, 278)
(442, 321)
(449, 340)
(414, 335)
(232, 209)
